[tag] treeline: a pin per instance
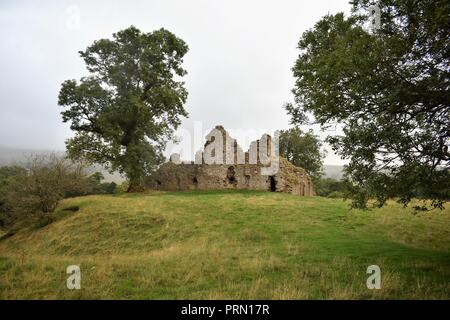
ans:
(30, 194)
(331, 188)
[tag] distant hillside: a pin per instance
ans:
(334, 172)
(10, 156)
(13, 156)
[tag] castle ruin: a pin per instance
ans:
(223, 165)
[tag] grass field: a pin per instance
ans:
(228, 245)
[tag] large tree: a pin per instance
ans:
(302, 149)
(389, 90)
(126, 110)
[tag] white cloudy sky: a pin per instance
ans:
(239, 62)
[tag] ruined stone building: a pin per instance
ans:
(223, 165)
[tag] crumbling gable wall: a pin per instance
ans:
(231, 174)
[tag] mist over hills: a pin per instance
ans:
(333, 171)
(12, 156)
(15, 156)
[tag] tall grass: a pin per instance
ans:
(228, 245)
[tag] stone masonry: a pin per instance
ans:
(234, 170)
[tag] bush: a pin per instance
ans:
(93, 185)
(335, 194)
(29, 195)
(123, 187)
(324, 187)
(36, 190)
(7, 173)
(101, 188)
(109, 188)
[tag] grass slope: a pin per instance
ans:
(228, 245)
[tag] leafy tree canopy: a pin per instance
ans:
(389, 89)
(302, 149)
(128, 107)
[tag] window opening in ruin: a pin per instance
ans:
(231, 175)
(247, 180)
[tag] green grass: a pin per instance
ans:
(228, 245)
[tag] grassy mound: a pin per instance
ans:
(228, 245)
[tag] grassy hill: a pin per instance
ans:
(228, 245)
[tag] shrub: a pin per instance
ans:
(109, 188)
(37, 190)
(324, 187)
(123, 187)
(7, 174)
(336, 194)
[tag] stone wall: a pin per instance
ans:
(174, 177)
(237, 170)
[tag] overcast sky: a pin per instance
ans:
(239, 60)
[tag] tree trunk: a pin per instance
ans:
(136, 185)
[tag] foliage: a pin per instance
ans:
(38, 188)
(127, 108)
(327, 186)
(93, 185)
(389, 90)
(123, 187)
(336, 195)
(302, 149)
(253, 245)
(7, 174)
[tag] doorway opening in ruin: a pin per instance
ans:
(195, 182)
(273, 184)
(231, 175)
